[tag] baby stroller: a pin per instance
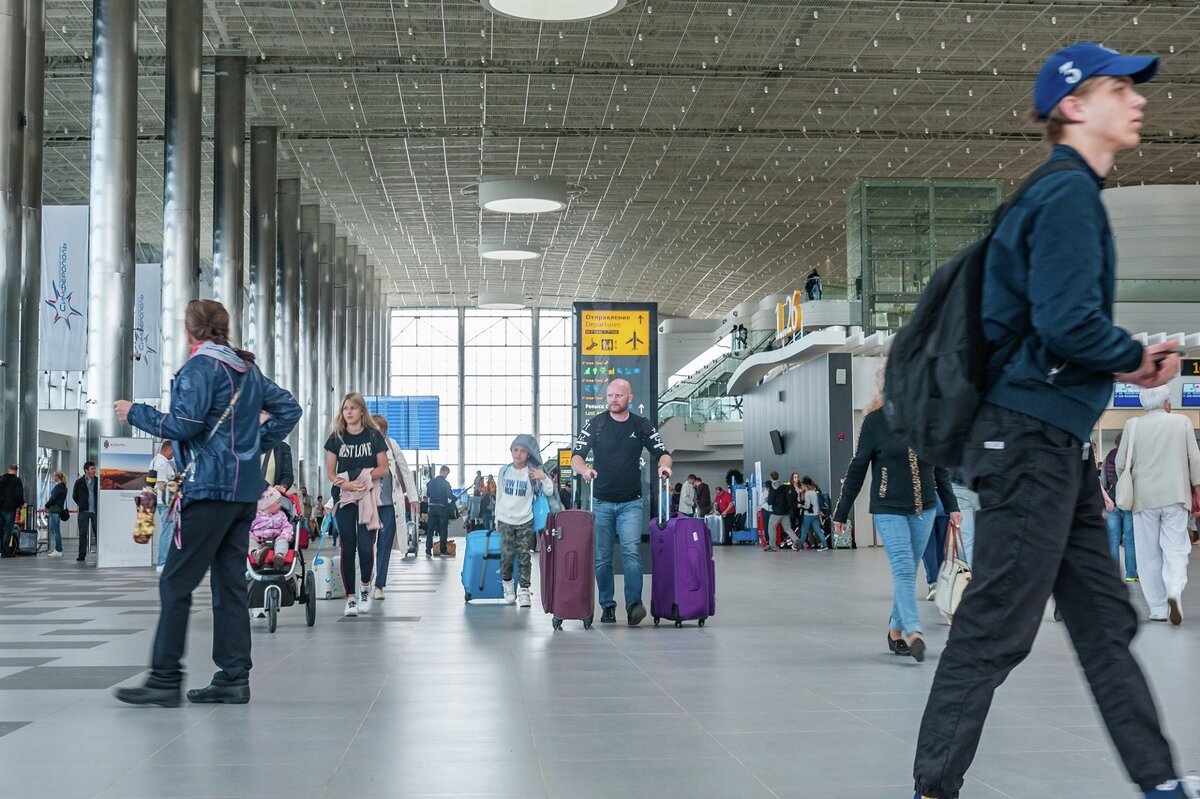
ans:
(291, 584)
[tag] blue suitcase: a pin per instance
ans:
(481, 566)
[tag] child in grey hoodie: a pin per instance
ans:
(515, 488)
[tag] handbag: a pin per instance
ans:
(64, 515)
(1124, 493)
(954, 575)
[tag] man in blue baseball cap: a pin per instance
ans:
(1048, 290)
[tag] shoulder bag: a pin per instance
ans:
(1124, 493)
(954, 576)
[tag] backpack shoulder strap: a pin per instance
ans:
(1046, 169)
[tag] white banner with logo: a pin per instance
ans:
(147, 332)
(64, 306)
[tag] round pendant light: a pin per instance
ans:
(523, 195)
(554, 10)
(501, 250)
(499, 301)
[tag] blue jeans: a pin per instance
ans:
(383, 544)
(812, 522)
(166, 533)
(619, 520)
(55, 530)
(968, 504)
(905, 538)
(1120, 530)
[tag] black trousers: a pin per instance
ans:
(216, 536)
(1039, 531)
(87, 521)
(439, 523)
(356, 538)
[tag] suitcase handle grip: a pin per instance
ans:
(577, 490)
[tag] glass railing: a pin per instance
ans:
(702, 409)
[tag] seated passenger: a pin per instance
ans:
(271, 531)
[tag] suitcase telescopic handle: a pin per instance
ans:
(664, 500)
(577, 490)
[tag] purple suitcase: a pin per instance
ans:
(684, 583)
(567, 558)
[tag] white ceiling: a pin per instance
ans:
(715, 140)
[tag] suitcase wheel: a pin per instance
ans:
(678, 624)
(702, 622)
(466, 597)
(587, 623)
(656, 620)
(556, 623)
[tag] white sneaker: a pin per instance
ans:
(364, 600)
(158, 569)
(523, 597)
(56, 554)
(378, 597)
(932, 593)
(510, 591)
(1191, 786)
(351, 607)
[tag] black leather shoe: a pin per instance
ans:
(221, 693)
(898, 645)
(637, 612)
(608, 616)
(145, 695)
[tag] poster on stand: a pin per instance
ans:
(147, 332)
(64, 299)
(123, 465)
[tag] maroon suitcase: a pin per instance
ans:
(567, 557)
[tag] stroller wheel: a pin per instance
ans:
(272, 610)
(310, 593)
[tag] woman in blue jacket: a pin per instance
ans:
(216, 398)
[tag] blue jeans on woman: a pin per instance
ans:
(905, 539)
(1120, 530)
(811, 522)
(166, 532)
(619, 520)
(55, 530)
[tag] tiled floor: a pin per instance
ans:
(788, 692)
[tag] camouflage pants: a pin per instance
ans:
(515, 540)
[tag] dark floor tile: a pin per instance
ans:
(11, 726)
(85, 631)
(18, 662)
(50, 644)
(47, 678)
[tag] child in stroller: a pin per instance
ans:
(270, 532)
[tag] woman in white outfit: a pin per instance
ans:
(1165, 463)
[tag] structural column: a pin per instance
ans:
(310, 287)
(31, 234)
(111, 229)
(325, 369)
(381, 329)
(287, 318)
(12, 148)
(181, 183)
(260, 313)
(351, 345)
(337, 329)
(229, 189)
(360, 329)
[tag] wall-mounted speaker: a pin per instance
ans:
(777, 442)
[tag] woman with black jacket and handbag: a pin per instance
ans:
(903, 503)
(55, 505)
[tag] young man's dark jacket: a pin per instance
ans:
(1050, 280)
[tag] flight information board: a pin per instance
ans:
(412, 421)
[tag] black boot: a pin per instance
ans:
(149, 695)
(608, 615)
(223, 692)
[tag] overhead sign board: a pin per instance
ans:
(1126, 395)
(616, 332)
(789, 317)
(1190, 367)
(1191, 396)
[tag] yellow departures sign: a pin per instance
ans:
(788, 316)
(615, 332)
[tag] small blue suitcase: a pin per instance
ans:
(481, 566)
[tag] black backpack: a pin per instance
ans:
(938, 368)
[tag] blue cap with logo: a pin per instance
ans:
(1071, 66)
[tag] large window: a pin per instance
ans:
(556, 390)
(425, 362)
(498, 402)
(498, 355)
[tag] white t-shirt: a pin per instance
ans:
(514, 500)
(164, 468)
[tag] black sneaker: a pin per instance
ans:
(608, 616)
(637, 612)
(235, 693)
(148, 695)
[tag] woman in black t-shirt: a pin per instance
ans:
(355, 459)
